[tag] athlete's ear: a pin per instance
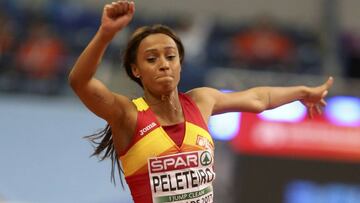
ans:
(135, 70)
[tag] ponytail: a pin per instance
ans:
(102, 142)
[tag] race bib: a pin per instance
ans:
(182, 178)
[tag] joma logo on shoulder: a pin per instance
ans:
(147, 128)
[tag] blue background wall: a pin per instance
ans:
(43, 157)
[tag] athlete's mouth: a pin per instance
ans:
(163, 76)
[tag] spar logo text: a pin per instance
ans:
(175, 162)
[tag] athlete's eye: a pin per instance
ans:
(151, 59)
(171, 57)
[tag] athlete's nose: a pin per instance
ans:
(164, 64)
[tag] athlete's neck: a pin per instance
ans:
(167, 107)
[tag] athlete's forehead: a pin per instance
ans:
(157, 42)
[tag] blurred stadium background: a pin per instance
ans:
(279, 156)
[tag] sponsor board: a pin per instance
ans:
(316, 138)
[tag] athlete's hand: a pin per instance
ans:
(115, 17)
(315, 97)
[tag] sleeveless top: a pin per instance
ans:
(158, 170)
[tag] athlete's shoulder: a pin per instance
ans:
(123, 109)
(124, 101)
(202, 93)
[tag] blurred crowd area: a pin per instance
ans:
(39, 45)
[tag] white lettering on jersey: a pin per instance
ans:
(147, 128)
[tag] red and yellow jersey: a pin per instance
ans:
(158, 170)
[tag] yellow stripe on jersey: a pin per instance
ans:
(151, 145)
(192, 131)
(140, 103)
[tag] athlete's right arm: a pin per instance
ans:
(93, 93)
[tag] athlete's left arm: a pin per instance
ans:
(259, 99)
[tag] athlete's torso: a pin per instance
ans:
(158, 170)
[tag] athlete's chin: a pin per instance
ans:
(166, 87)
(165, 79)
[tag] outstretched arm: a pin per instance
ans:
(258, 99)
(93, 93)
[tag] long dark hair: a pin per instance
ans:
(103, 140)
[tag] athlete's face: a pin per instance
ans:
(158, 64)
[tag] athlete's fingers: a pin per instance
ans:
(110, 10)
(122, 7)
(324, 94)
(329, 82)
(318, 109)
(310, 111)
(117, 9)
(131, 7)
(323, 103)
(126, 7)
